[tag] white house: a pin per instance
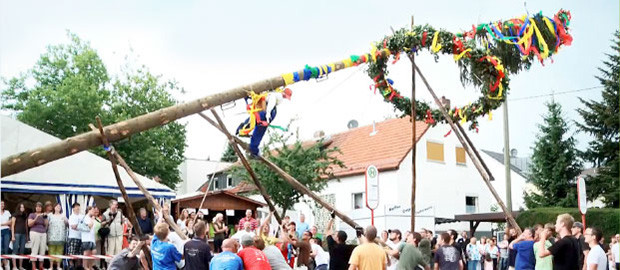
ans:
(195, 172)
(448, 184)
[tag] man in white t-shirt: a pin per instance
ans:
(596, 259)
(394, 242)
(247, 230)
(74, 243)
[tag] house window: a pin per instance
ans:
(216, 183)
(434, 151)
(460, 156)
(229, 181)
(358, 200)
(471, 204)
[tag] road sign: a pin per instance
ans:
(372, 187)
(581, 194)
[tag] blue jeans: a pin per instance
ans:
(6, 239)
(503, 263)
(321, 267)
(19, 245)
(473, 265)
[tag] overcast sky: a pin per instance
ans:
(211, 46)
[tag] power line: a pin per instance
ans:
(558, 93)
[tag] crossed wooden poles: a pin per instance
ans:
(236, 143)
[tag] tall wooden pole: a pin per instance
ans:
(507, 157)
(204, 197)
(148, 195)
(471, 154)
(118, 131)
(247, 166)
(413, 137)
(288, 178)
(121, 187)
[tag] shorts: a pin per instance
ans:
(74, 246)
(88, 246)
(56, 250)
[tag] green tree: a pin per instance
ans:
(555, 164)
(310, 164)
(602, 121)
(71, 86)
(69, 89)
(229, 155)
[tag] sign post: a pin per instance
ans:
(582, 200)
(372, 191)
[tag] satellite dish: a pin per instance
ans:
(352, 124)
(513, 152)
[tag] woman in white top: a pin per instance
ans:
(183, 219)
(87, 229)
(5, 222)
(57, 233)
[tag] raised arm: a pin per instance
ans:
(265, 223)
(328, 229)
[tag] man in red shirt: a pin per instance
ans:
(253, 258)
(248, 218)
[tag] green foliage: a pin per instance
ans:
(229, 155)
(68, 91)
(72, 87)
(555, 165)
(311, 165)
(606, 219)
(602, 121)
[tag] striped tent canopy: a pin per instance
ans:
(76, 177)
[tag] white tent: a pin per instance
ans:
(81, 175)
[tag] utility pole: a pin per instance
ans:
(507, 158)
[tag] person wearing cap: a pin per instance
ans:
(252, 257)
(584, 248)
(394, 242)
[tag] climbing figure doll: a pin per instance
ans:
(262, 110)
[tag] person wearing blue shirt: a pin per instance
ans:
(227, 260)
(302, 226)
(165, 255)
(524, 246)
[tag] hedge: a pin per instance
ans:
(606, 219)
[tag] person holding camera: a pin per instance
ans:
(38, 222)
(113, 221)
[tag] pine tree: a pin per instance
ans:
(602, 121)
(555, 164)
(229, 155)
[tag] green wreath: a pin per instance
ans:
(485, 55)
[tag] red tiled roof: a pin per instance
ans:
(242, 187)
(386, 149)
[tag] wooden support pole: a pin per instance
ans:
(471, 154)
(413, 137)
(288, 178)
(471, 145)
(247, 166)
(148, 195)
(121, 187)
(204, 197)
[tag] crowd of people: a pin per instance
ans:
(289, 245)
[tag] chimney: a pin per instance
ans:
(374, 129)
(319, 134)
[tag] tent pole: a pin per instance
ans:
(121, 186)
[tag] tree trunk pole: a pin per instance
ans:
(36, 157)
(204, 197)
(247, 166)
(121, 187)
(471, 154)
(148, 195)
(288, 178)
